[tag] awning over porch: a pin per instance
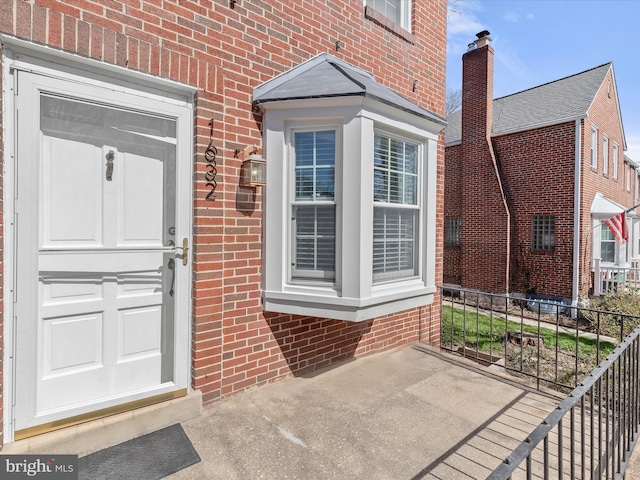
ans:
(603, 207)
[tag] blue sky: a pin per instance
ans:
(538, 41)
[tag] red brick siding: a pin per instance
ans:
(453, 207)
(485, 221)
(538, 173)
(604, 115)
(225, 52)
(538, 176)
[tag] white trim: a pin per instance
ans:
(40, 55)
(577, 169)
(593, 147)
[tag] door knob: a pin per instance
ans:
(185, 250)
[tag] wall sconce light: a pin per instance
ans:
(254, 168)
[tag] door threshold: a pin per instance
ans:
(90, 435)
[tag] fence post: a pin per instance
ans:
(597, 277)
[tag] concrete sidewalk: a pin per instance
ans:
(405, 414)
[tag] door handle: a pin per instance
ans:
(185, 250)
(110, 157)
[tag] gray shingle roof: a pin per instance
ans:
(327, 76)
(551, 103)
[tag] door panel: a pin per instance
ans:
(96, 256)
(71, 210)
(141, 183)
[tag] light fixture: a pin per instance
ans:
(254, 168)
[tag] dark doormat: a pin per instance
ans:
(150, 457)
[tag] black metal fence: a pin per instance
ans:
(592, 432)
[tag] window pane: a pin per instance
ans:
(452, 232)
(543, 232)
(389, 8)
(315, 165)
(394, 238)
(315, 238)
(395, 176)
(607, 244)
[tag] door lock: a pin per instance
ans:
(185, 250)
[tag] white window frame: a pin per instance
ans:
(353, 294)
(404, 207)
(385, 7)
(594, 147)
(621, 251)
(615, 160)
(610, 241)
(605, 154)
(318, 275)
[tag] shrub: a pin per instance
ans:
(614, 310)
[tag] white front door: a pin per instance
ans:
(101, 300)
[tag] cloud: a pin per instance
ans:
(462, 25)
(512, 17)
(530, 16)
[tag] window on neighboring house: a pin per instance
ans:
(607, 244)
(594, 147)
(605, 154)
(452, 232)
(398, 11)
(543, 232)
(615, 161)
(313, 207)
(627, 176)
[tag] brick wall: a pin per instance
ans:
(485, 219)
(225, 52)
(605, 116)
(538, 174)
(453, 208)
(536, 166)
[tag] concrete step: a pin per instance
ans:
(90, 437)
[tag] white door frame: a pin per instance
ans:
(20, 55)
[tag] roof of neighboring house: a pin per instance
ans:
(555, 102)
(326, 76)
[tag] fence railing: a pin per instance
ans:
(591, 433)
(608, 278)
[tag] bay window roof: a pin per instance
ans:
(325, 76)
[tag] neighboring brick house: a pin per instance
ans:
(138, 266)
(529, 179)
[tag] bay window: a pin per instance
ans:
(350, 199)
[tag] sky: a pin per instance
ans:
(538, 41)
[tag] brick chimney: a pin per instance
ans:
(485, 218)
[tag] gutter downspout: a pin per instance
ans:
(576, 218)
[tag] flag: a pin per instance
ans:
(618, 226)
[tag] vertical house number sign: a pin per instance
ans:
(211, 171)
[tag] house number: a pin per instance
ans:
(211, 171)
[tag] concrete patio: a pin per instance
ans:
(414, 413)
(406, 414)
